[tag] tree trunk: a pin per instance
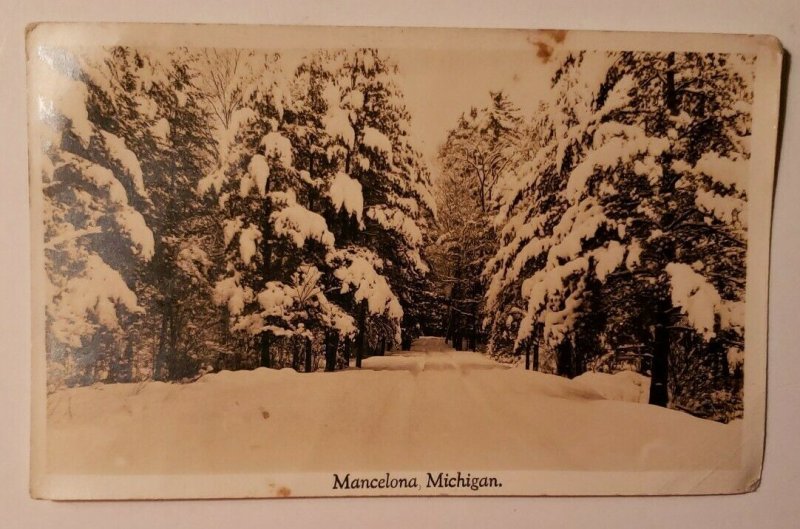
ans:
(383, 346)
(346, 351)
(455, 292)
(473, 332)
(472, 344)
(129, 358)
(458, 338)
(296, 355)
(537, 333)
(266, 236)
(174, 363)
(265, 340)
(659, 394)
(659, 370)
(528, 353)
(361, 339)
(578, 360)
(719, 361)
(265, 357)
(309, 355)
(331, 345)
(405, 340)
(670, 95)
(448, 336)
(158, 358)
(564, 359)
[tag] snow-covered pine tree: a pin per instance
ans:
(252, 182)
(337, 198)
(377, 187)
(482, 148)
(278, 246)
(95, 233)
(533, 216)
(640, 205)
(691, 224)
(152, 102)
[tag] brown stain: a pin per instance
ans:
(284, 492)
(265, 414)
(544, 50)
(545, 41)
(557, 35)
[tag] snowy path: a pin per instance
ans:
(428, 408)
(430, 353)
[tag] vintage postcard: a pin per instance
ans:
(331, 261)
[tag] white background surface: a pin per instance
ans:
(776, 504)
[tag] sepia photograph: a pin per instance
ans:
(274, 261)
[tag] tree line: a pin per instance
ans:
(608, 230)
(223, 209)
(228, 209)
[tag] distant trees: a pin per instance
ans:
(206, 209)
(478, 154)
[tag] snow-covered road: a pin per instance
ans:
(430, 353)
(428, 408)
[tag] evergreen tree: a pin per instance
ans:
(377, 187)
(95, 233)
(151, 100)
(632, 209)
(269, 233)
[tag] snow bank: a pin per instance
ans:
(626, 386)
(458, 411)
(430, 353)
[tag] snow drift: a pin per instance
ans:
(429, 408)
